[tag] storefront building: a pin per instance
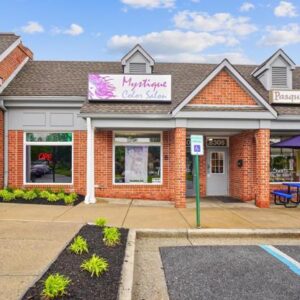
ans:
(122, 129)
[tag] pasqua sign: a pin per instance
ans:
(129, 87)
(285, 97)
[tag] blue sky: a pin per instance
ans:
(170, 30)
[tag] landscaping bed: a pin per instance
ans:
(82, 285)
(36, 196)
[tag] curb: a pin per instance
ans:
(126, 284)
(207, 232)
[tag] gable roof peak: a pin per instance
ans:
(266, 64)
(137, 48)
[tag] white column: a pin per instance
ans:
(90, 177)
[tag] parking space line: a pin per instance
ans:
(284, 258)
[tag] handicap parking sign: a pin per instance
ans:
(197, 145)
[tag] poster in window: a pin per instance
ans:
(136, 161)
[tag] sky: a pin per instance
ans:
(245, 32)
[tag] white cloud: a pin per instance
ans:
(279, 37)
(247, 6)
(199, 21)
(285, 9)
(233, 57)
(74, 30)
(32, 27)
(171, 42)
(149, 4)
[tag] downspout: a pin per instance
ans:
(5, 141)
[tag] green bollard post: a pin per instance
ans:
(197, 189)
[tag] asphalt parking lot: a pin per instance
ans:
(232, 272)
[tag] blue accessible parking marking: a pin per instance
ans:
(227, 272)
(284, 258)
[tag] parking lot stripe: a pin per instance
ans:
(284, 258)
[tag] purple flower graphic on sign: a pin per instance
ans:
(101, 87)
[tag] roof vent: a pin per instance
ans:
(137, 68)
(279, 77)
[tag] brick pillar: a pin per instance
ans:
(262, 151)
(180, 167)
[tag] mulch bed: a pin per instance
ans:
(82, 285)
(44, 201)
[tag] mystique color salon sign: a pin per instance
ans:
(129, 87)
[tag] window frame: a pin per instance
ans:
(210, 162)
(26, 143)
(160, 144)
(278, 137)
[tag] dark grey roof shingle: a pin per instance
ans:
(69, 78)
(7, 39)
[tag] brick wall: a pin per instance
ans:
(13, 60)
(262, 170)
(223, 89)
(15, 163)
(241, 183)
(104, 171)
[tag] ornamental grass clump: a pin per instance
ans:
(96, 265)
(19, 193)
(6, 195)
(112, 236)
(101, 222)
(68, 199)
(55, 285)
(30, 195)
(61, 196)
(79, 245)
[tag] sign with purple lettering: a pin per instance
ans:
(129, 87)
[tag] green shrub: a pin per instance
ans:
(68, 199)
(74, 196)
(55, 286)
(7, 196)
(101, 222)
(79, 245)
(19, 193)
(44, 194)
(52, 198)
(96, 265)
(30, 195)
(37, 191)
(61, 196)
(112, 236)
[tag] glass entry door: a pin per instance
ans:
(217, 172)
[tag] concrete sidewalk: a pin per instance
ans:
(27, 249)
(156, 214)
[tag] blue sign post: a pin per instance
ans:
(197, 148)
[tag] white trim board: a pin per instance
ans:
(13, 75)
(225, 64)
(10, 49)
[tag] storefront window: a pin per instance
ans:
(284, 163)
(137, 158)
(48, 158)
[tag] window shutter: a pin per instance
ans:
(137, 68)
(279, 77)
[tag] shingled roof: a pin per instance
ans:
(6, 40)
(69, 78)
